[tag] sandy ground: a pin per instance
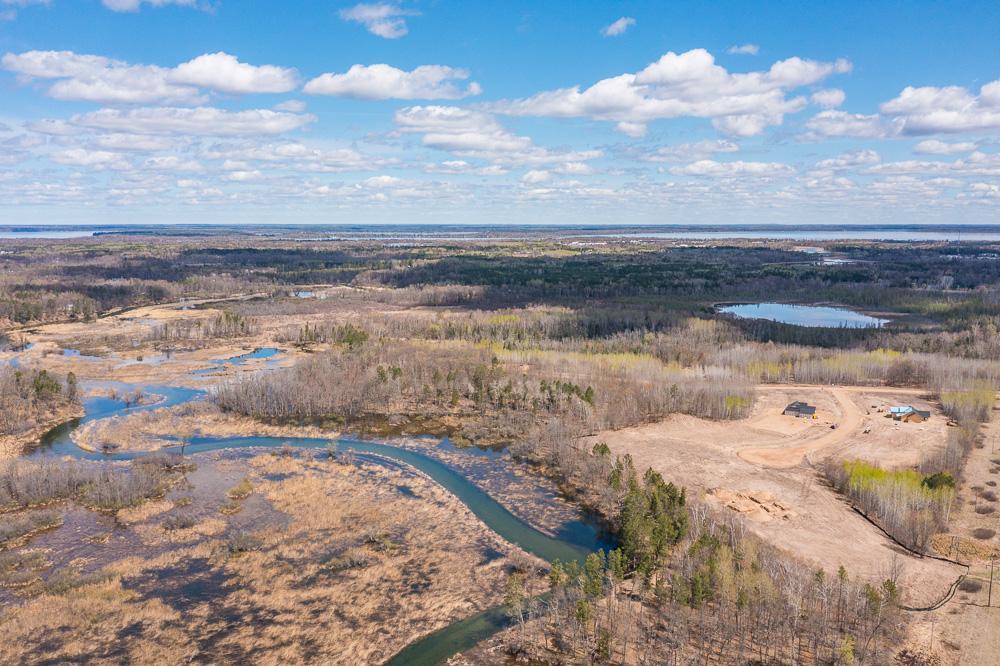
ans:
(976, 506)
(959, 634)
(366, 560)
(763, 467)
(967, 629)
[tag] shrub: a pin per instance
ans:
(24, 483)
(970, 585)
(241, 542)
(28, 396)
(240, 491)
(14, 527)
(113, 489)
(28, 483)
(182, 522)
(983, 533)
(939, 480)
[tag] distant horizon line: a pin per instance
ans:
(827, 226)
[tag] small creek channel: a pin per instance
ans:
(584, 537)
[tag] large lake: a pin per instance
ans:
(806, 234)
(804, 315)
(46, 234)
(459, 232)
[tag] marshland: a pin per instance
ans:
(227, 447)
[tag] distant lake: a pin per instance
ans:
(46, 234)
(814, 316)
(815, 235)
(408, 234)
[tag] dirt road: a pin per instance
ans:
(781, 456)
(762, 468)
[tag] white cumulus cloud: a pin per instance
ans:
(96, 159)
(711, 168)
(381, 81)
(830, 98)
(470, 133)
(856, 158)
(743, 49)
(688, 151)
(138, 143)
(618, 27)
(951, 109)
(223, 72)
(688, 84)
(383, 19)
(832, 123)
(296, 156)
(201, 121)
(92, 78)
(938, 147)
(134, 5)
(292, 105)
(535, 176)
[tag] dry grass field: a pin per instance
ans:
(321, 563)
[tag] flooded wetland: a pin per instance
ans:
(442, 461)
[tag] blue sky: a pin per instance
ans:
(197, 111)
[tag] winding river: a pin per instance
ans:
(435, 648)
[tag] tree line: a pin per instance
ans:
(686, 583)
(29, 396)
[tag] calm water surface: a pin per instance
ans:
(46, 234)
(813, 316)
(805, 234)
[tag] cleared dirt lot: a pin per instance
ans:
(764, 467)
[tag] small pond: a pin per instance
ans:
(814, 316)
(76, 353)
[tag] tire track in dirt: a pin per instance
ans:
(851, 420)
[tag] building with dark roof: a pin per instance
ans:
(799, 409)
